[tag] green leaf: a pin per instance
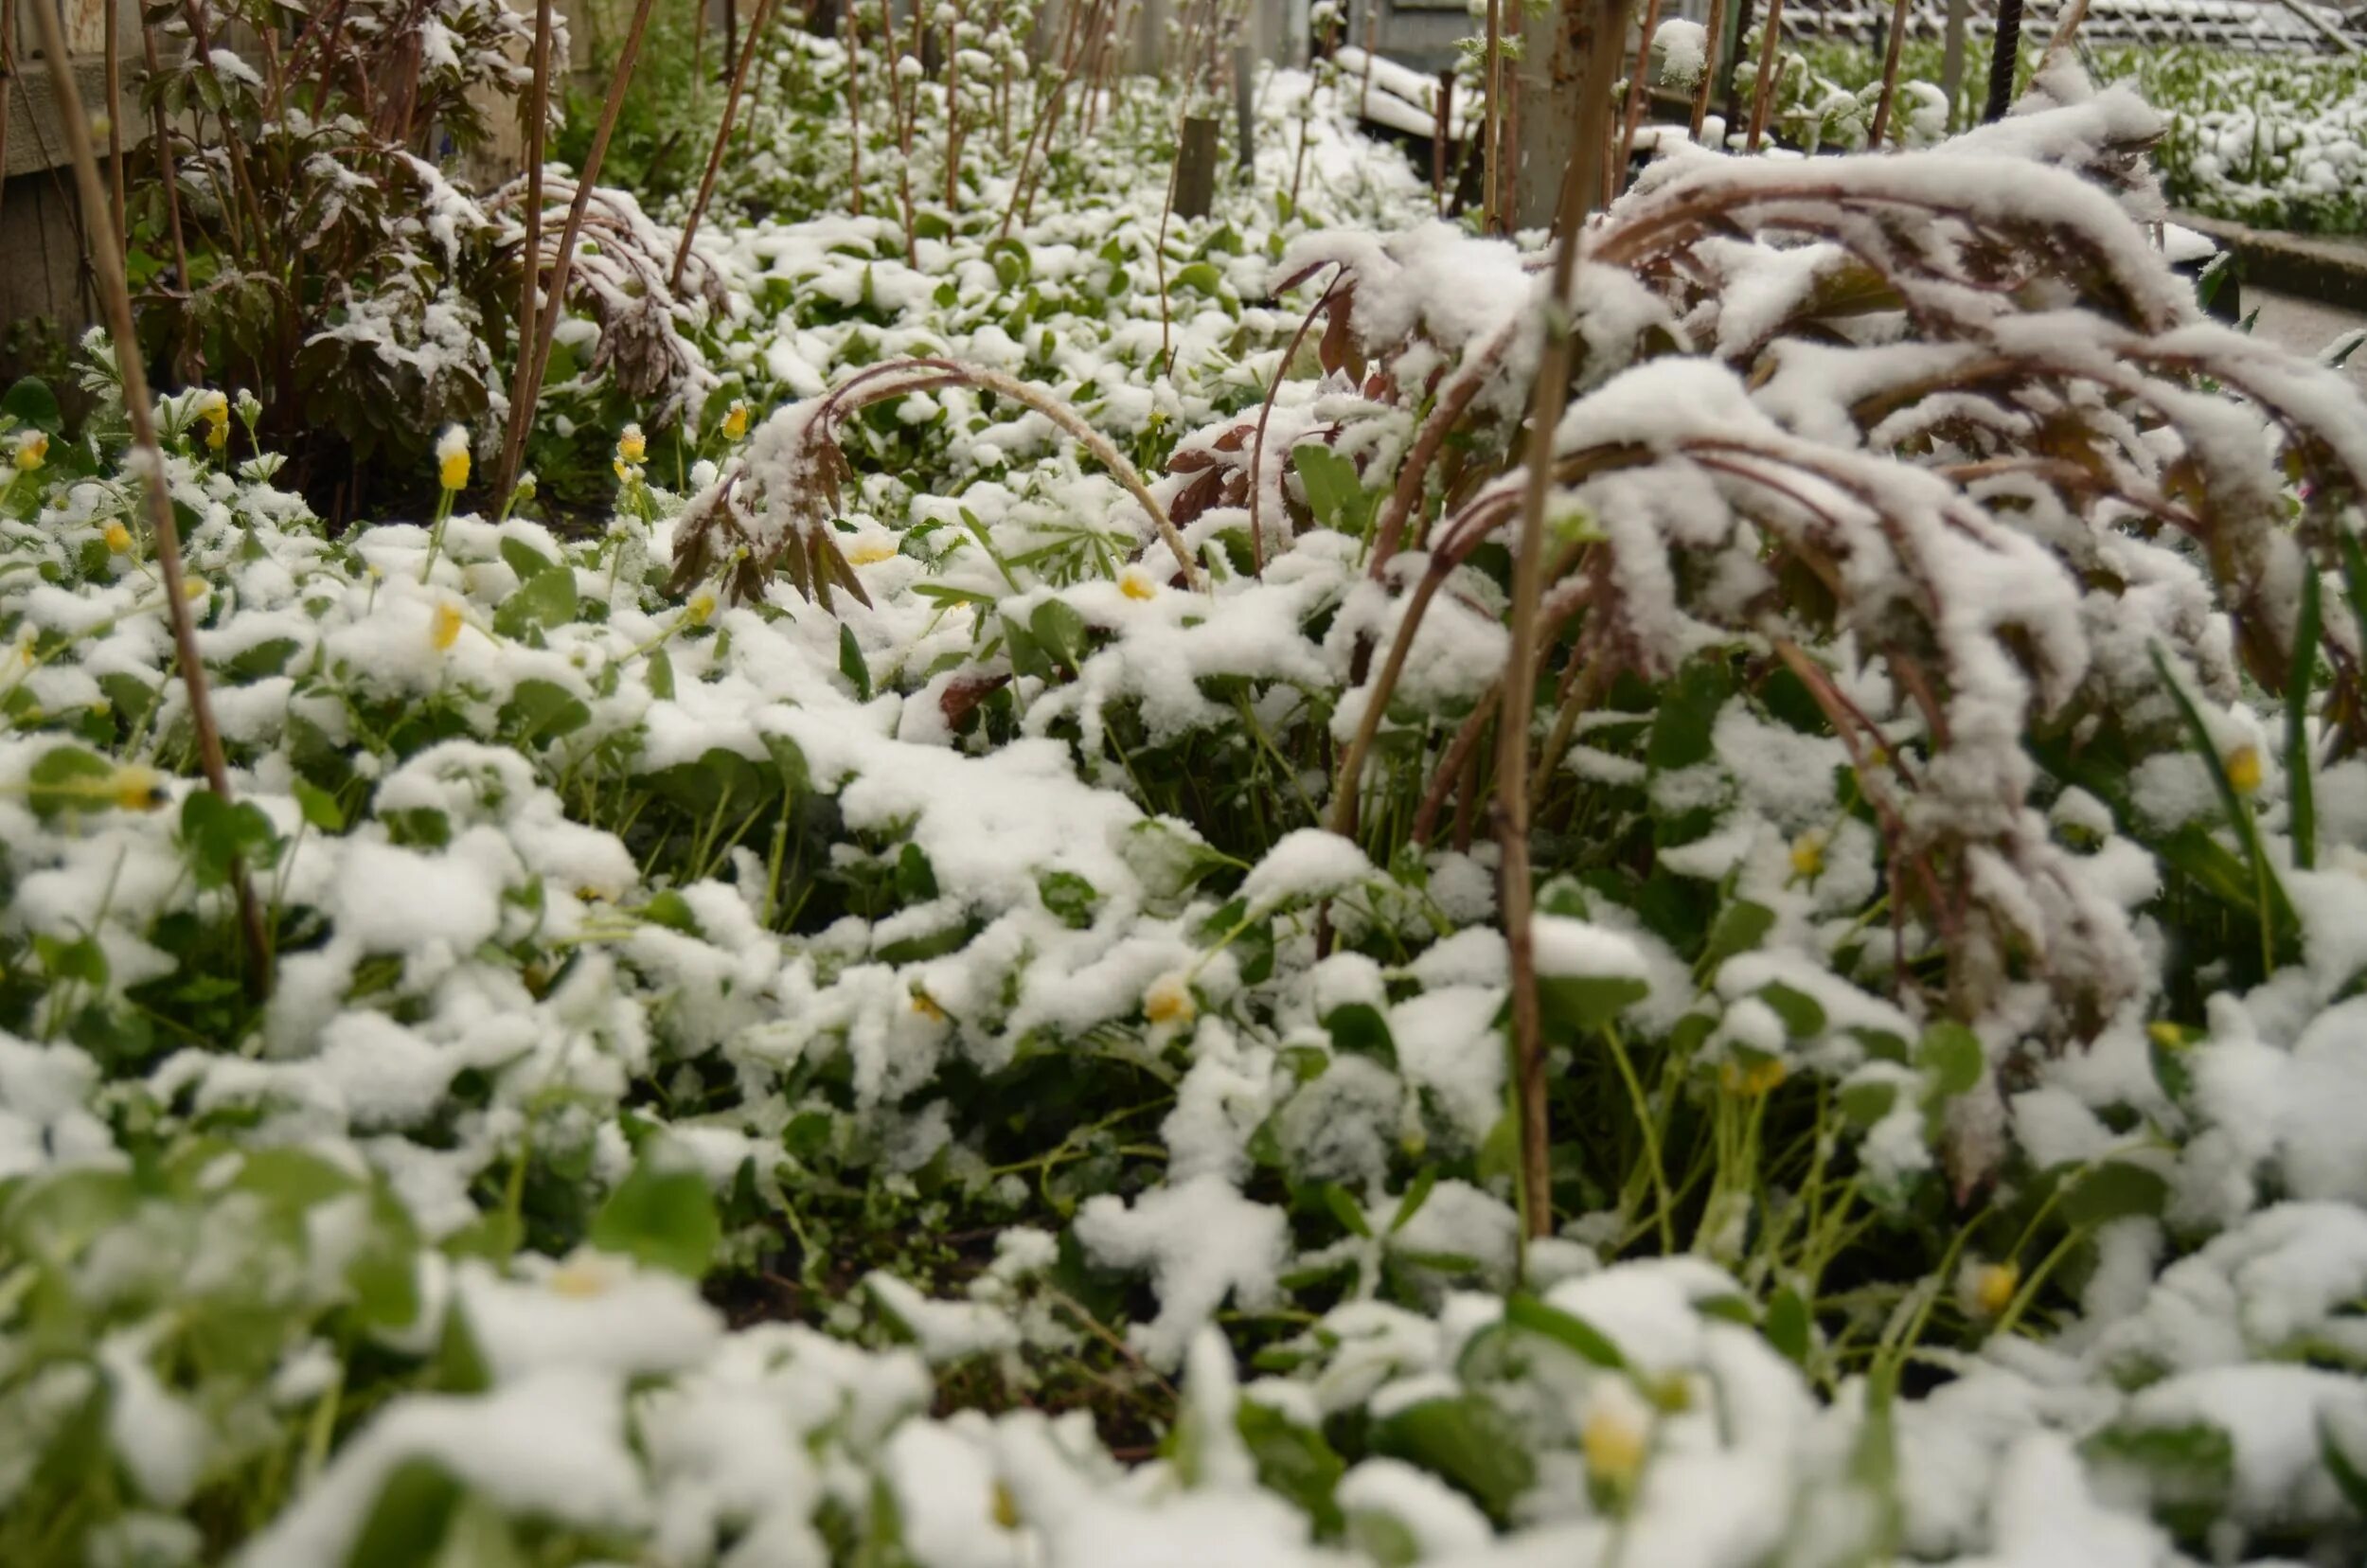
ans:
(68, 777)
(2272, 911)
(31, 402)
(1739, 927)
(1803, 1014)
(1688, 709)
(2187, 1473)
(1584, 1002)
(659, 674)
(1345, 1209)
(524, 560)
(1334, 493)
(1415, 1195)
(915, 879)
(850, 663)
(1788, 1326)
(543, 601)
(1952, 1054)
(2300, 790)
(662, 1219)
(1069, 897)
(2115, 1190)
(319, 807)
(1060, 630)
(1571, 1332)
(2347, 1477)
(1358, 1030)
(1864, 1104)
(1293, 1462)
(408, 1521)
(1202, 276)
(539, 711)
(219, 835)
(1467, 1441)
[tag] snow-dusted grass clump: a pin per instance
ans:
(961, 1019)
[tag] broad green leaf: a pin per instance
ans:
(663, 1218)
(2115, 1190)
(1951, 1053)
(1467, 1441)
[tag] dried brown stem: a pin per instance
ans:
(1890, 75)
(1763, 90)
(756, 24)
(535, 360)
(105, 254)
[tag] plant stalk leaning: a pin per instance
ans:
(534, 359)
(105, 254)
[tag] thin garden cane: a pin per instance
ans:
(1710, 31)
(105, 251)
(1492, 213)
(1633, 119)
(1552, 395)
(535, 359)
(1890, 76)
(115, 119)
(1771, 71)
(538, 126)
(757, 21)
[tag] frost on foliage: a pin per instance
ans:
(1201, 1241)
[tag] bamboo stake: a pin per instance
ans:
(532, 365)
(1491, 206)
(1635, 119)
(1710, 31)
(1890, 75)
(1551, 396)
(537, 126)
(106, 261)
(757, 21)
(1763, 90)
(854, 112)
(114, 116)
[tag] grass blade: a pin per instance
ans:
(2299, 679)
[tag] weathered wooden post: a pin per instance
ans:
(1196, 168)
(42, 270)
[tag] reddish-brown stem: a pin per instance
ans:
(538, 126)
(1771, 72)
(1265, 412)
(536, 359)
(105, 253)
(1711, 29)
(1635, 118)
(756, 22)
(1890, 76)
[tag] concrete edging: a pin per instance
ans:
(2328, 270)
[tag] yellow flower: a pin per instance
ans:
(195, 589)
(119, 538)
(1752, 1079)
(137, 788)
(1993, 1287)
(700, 608)
(870, 551)
(2243, 770)
(32, 449)
(1169, 1001)
(926, 1006)
(631, 446)
(1136, 582)
(446, 631)
(218, 437)
(1613, 1444)
(585, 1275)
(451, 458)
(1005, 1508)
(736, 421)
(1807, 854)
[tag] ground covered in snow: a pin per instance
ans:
(887, 1045)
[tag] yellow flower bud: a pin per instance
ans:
(2243, 770)
(453, 474)
(1613, 1444)
(218, 437)
(1993, 1287)
(736, 421)
(1169, 1001)
(1136, 582)
(1005, 1508)
(631, 446)
(1807, 854)
(32, 449)
(195, 589)
(137, 788)
(700, 608)
(873, 550)
(119, 538)
(446, 630)
(926, 1006)
(584, 1276)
